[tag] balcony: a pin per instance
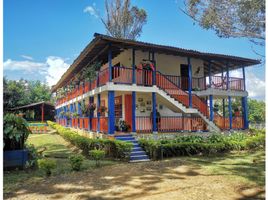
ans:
(144, 77)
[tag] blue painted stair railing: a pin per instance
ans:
(137, 153)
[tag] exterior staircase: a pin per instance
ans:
(175, 95)
(137, 153)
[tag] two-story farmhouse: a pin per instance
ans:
(149, 88)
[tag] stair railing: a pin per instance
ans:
(174, 91)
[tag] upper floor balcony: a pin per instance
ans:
(145, 77)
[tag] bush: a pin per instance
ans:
(191, 145)
(112, 148)
(16, 132)
(47, 165)
(97, 155)
(76, 162)
(32, 157)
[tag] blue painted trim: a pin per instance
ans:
(98, 113)
(228, 77)
(133, 111)
(245, 112)
(154, 72)
(190, 81)
(230, 112)
(110, 63)
(154, 111)
(133, 67)
(211, 115)
(79, 109)
(91, 100)
(244, 77)
(209, 74)
(111, 120)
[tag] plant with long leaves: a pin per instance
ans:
(16, 132)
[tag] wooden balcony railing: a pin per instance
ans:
(144, 77)
(171, 124)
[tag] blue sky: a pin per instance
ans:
(42, 38)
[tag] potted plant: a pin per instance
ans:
(84, 109)
(237, 112)
(123, 126)
(75, 115)
(16, 132)
(68, 116)
(102, 109)
(91, 107)
(216, 108)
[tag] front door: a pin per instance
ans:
(184, 77)
(128, 110)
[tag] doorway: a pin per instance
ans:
(184, 77)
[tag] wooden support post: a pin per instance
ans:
(43, 110)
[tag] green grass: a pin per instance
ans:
(246, 167)
(56, 148)
(55, 145)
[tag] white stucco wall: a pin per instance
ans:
(167, 64)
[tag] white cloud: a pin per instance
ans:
(27, 57)
(91, 10)
(254, 85)
(52, 69)
(56, 68)
(25, 65)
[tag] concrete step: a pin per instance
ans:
(142, 160)
(126, 139)
(139, 157)
(138, 153)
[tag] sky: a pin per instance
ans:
(42, 38)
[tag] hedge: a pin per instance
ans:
(113, 148)
(191, 145)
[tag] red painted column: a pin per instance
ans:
(42, 108)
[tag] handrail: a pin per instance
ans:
(197, 102)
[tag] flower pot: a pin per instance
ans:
(15, 158)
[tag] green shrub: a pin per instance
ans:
(47, 165)
(33, 156)
(16, 132)
(97, 155)
(112, 148)
(76, 162)
(191, 145)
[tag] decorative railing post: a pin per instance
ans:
(228, 78)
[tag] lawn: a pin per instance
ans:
(53, 147)
(236, 175)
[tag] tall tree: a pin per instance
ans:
(123, 20)
(230, 18)
(23, 92)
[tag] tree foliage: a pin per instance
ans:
(230, 18)
(123, 20)
(23, 92)
(256, 111)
